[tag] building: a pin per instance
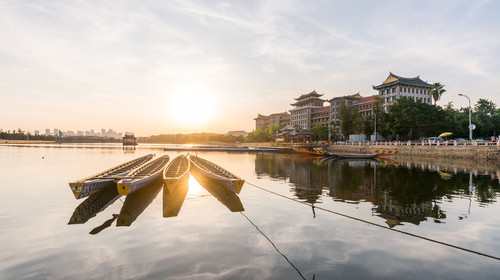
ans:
(395, 87)
(335, 103)
(236, 133)
(279, 119)
(304, 107)
(321, 116)
(366, 105)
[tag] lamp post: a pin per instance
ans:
(375, 124)
(470, 121)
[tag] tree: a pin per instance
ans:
(320, 131)
(351, 121)
(437, 89)
(486, 106)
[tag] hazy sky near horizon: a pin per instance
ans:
(154, 67)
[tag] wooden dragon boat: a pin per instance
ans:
(176, 171)
(142, 175)
(354, 156)
(207, 172)
(89, 185)
(173, 200)
(308, 152)
(94, 204)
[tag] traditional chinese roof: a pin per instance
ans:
(259, 116)
(393, 79)
(307, 95)
(367, 99)
(352, 96)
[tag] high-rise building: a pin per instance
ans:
(304, 107)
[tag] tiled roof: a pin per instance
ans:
(393, 79)
(311, 94)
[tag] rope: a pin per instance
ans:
(298, 271)
(380, 226)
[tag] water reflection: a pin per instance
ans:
(94, 204)
(400, 193)
(227, 197)
(137, 202)
(172, 202)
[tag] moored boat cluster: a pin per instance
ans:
(139, 180)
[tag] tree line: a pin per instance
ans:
(191, 138)
(20, 134)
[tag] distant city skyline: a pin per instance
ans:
(211, 66)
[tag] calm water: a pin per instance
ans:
(302, 218)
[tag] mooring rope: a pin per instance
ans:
(272, 243)
(378, 225)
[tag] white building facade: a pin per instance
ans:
(395, 87)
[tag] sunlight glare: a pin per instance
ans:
(195, 189)
(192, 105)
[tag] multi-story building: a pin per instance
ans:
(335, 104)
(321, 116)
(304, 107)
(366, 105)
(395, 87)
(279, 119)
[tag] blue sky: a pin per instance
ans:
(190, 66)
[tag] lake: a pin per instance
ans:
(297, 217)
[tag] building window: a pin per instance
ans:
(393, 90)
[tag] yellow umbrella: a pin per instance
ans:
(444, 134)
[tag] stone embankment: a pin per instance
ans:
(464, 152)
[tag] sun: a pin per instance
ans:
(192, 105)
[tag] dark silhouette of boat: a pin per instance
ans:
(225, 196)
(94, 204)
(173, 200)
(136, 202)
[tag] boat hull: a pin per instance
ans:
(83, 189)
(356, 156)
(177, 171)
(203, 176)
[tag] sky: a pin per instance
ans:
(153, 67)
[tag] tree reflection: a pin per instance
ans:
(398, 193)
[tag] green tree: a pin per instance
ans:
(485, 106)
(320, 131)
(437, 89)
(351, 121)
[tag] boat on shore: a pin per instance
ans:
(89, 185)
(176, 171)
(207, 172)
(354, 156)
(307, 151)
(142, 175)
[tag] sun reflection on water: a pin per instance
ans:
(195, 189)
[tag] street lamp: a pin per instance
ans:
(470, 121)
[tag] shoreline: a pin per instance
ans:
(4, 141)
